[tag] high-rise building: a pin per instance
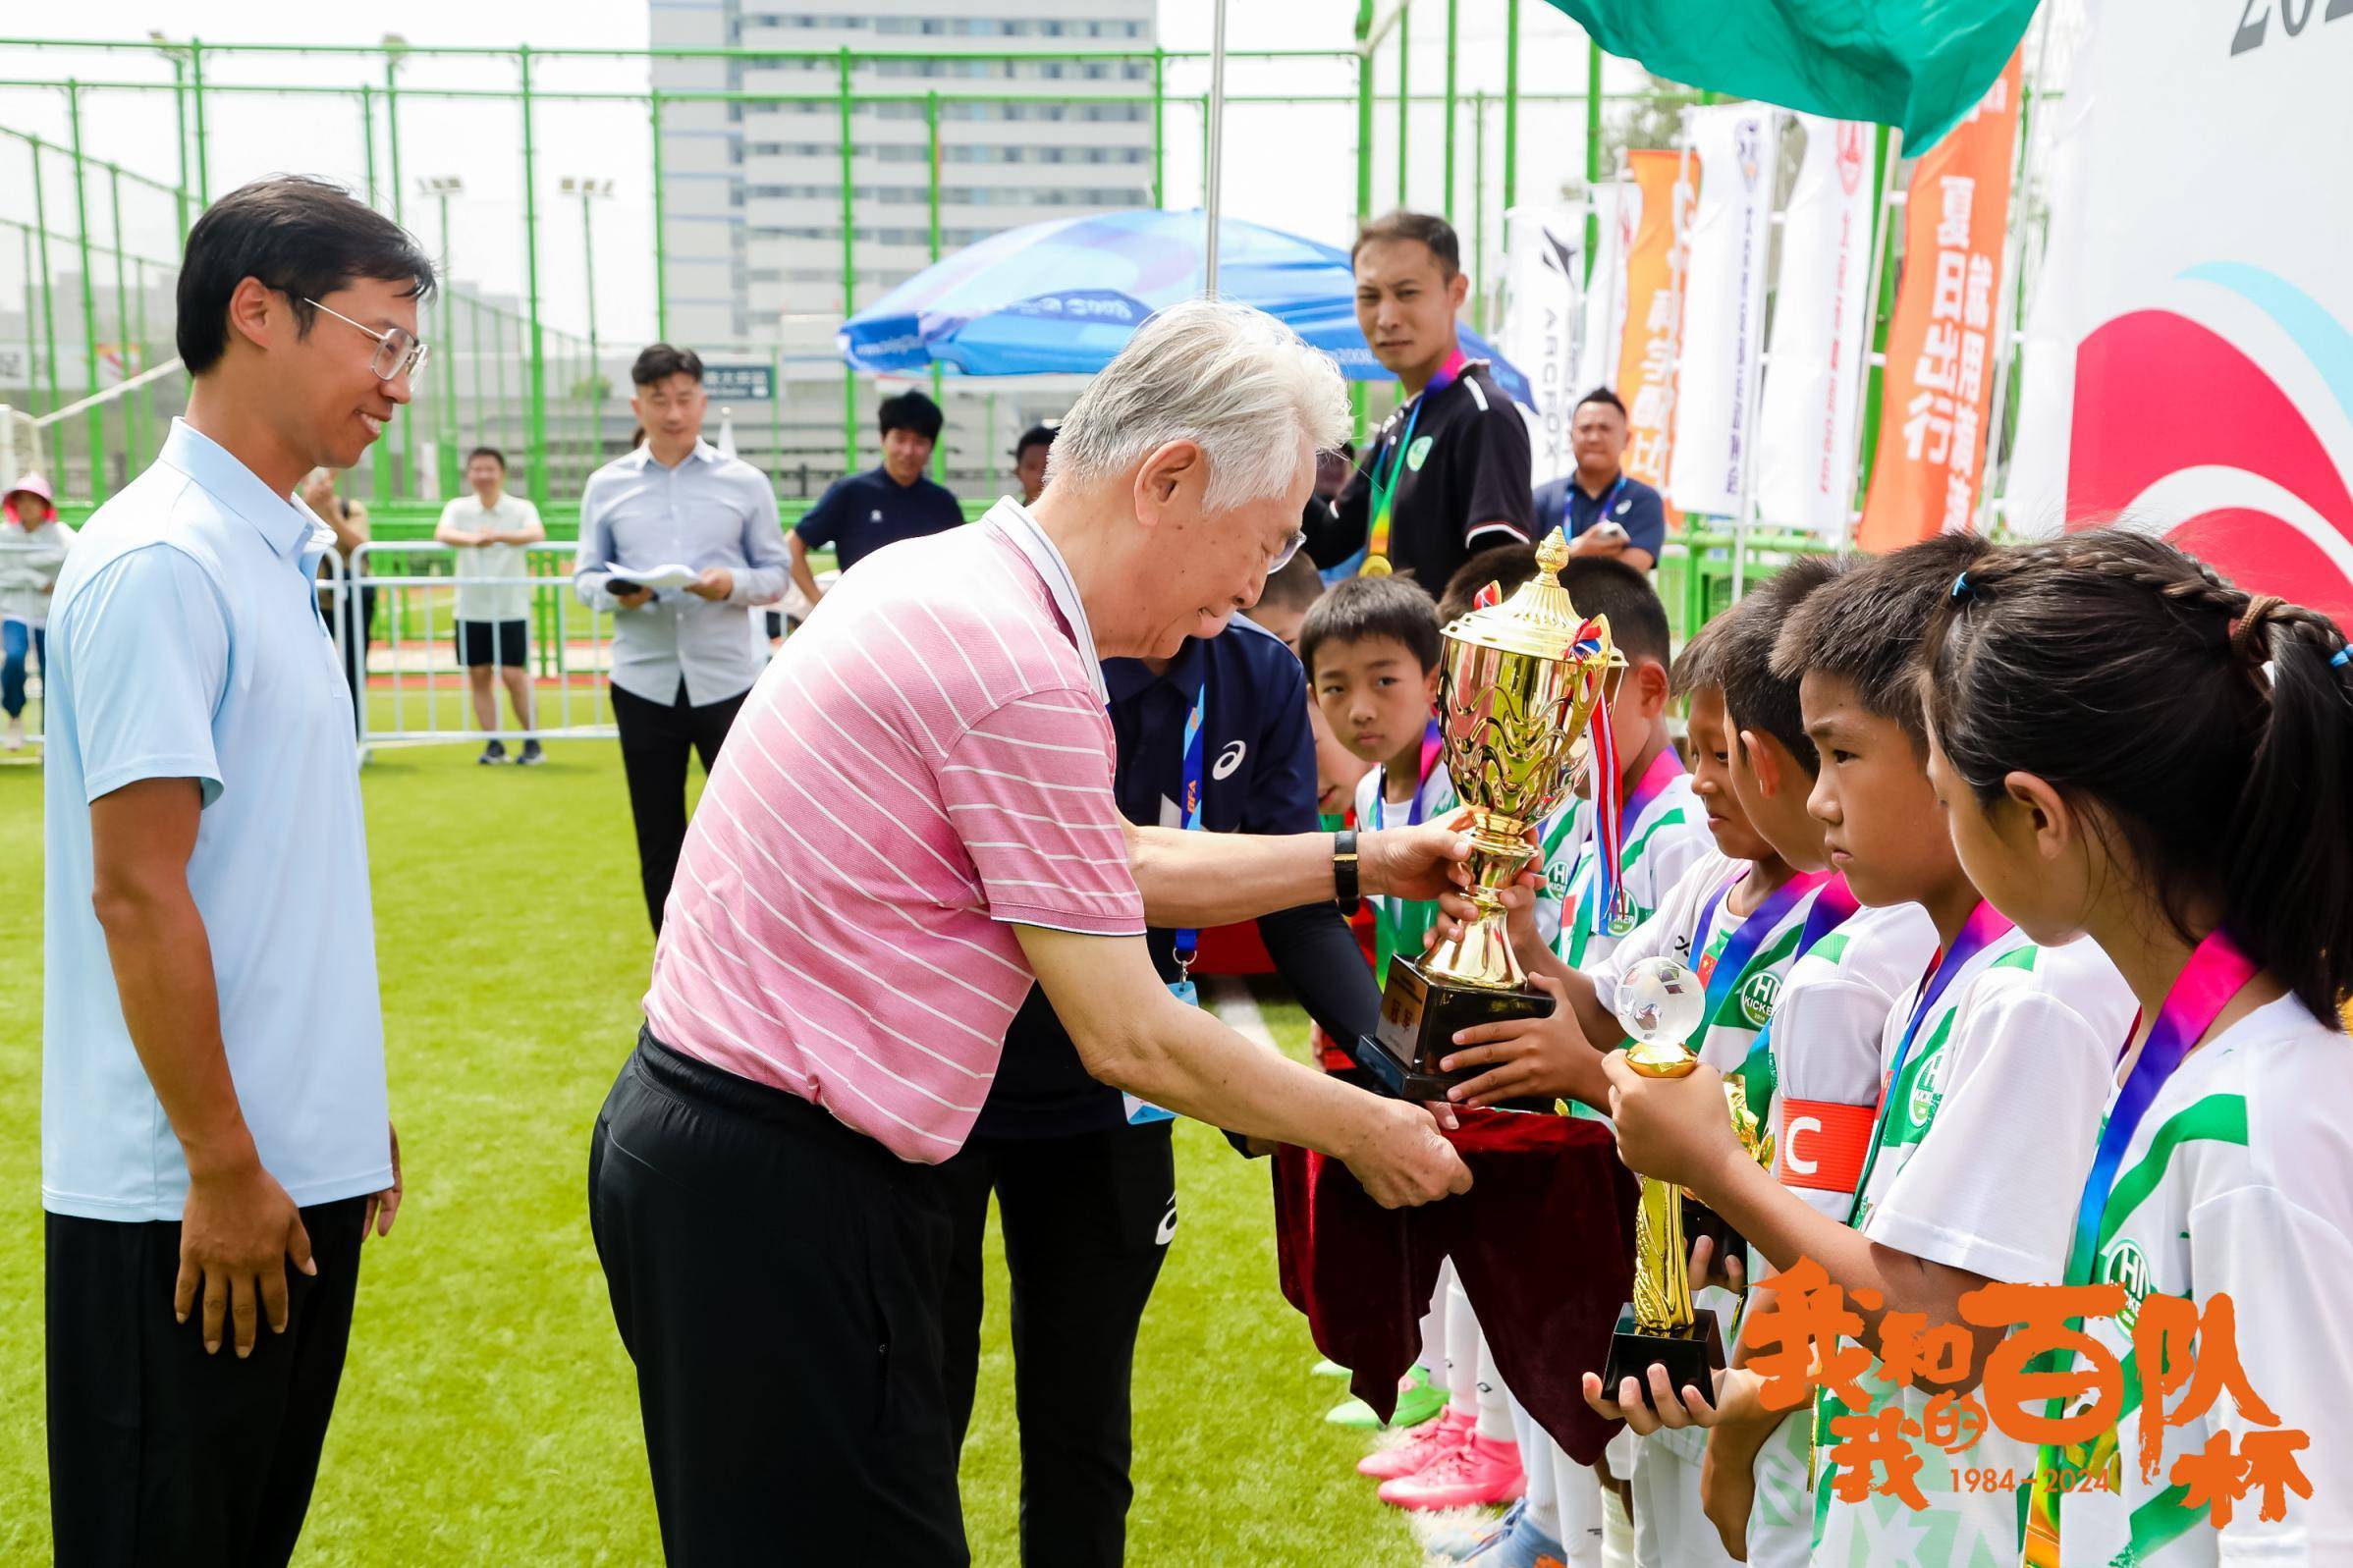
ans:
(752, 186)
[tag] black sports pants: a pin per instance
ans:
(159, 1453)
(1087, 1220)
(776, 1280)
(654, 742)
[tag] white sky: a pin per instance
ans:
(1290, 165)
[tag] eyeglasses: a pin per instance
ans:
(1285, 556)
(398, 353)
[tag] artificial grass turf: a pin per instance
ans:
(488, 1414)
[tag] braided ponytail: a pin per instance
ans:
(2215, 728)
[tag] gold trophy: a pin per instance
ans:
(1660, 1002)
(1515, 693)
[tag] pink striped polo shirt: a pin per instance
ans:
(925, 765)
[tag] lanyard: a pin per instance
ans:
(1833, 906)
(1601, 513)
(2217, 972)
(1432, 742)
(1188, 942)
(1722, 972)
(1985, 926)
(1385, 492)
(1664, 769)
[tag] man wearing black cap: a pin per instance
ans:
(861, 514)
(1029, 460)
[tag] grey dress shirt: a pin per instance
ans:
(709, 511)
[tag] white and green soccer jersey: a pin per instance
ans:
(2238, 1182)
(1729, 1033)
(1560, 840)
(1399, 924)
(1660, 846)
(1826, 1047)
(1987, 1136)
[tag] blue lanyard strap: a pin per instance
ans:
(1188, 942)
(1569, 503)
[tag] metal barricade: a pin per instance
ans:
(415, 688)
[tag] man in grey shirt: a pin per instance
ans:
(682, 657)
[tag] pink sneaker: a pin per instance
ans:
(1420, 1451)
(1480, 1473)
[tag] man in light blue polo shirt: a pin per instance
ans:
(214, 1133)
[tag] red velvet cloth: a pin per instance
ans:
(1543, 1242)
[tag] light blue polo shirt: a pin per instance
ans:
(185, 643)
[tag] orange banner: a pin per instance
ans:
(1937, 389)
(1646, 365)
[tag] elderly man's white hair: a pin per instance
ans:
(1260, 402)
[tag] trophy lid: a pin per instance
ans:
(1538, 620)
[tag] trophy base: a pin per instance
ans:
(1419, 1016)
(1691, 1354)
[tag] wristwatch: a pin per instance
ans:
(1343, 867)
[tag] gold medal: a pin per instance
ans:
(1375, 567)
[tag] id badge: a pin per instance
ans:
(1142, 1112)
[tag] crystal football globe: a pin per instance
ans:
(1659, 999)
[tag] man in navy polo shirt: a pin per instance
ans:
(1085, 1177)
(1606, 511)
(861, 514)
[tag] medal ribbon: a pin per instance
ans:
(1609, 821)
(1385, 492)
(1741, 946)
(2217, 972)
(1602, 892)
(1833, 906)
(1188, 942)
(1390, 932)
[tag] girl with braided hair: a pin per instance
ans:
(2131, 749)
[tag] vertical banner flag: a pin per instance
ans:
(1942, 341)
(1738, 147)
(1616, 208)
(1646, 366)
(1814, 377)
(2195, 372)
(1543, 268)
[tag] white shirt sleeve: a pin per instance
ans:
(2288, 1273)
(1992, 1186)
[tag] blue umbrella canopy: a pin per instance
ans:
(1062, 298)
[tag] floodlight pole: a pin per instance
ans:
(1215, 176)
(530, 263)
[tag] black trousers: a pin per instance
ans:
(654, 744)
(1087, 1220)
(358, 623)
(776, 1280)
(159, 1453)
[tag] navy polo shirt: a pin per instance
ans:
(1257, 776)
(1625, 500)
(861, 514)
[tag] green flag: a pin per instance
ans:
(1917, 65)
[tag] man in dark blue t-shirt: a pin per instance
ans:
(861, 514)
(1606, 511)
(1085, 1178)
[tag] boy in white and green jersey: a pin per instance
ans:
(1990, 1114)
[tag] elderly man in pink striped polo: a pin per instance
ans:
(911, 822)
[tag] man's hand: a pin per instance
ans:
(1529, 1056)
(1418, 863)
(635, 601)
(1402, 1162)
(237, 1229)
(1676, 1131)
(715, 584)
(383, 1206)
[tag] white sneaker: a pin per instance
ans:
(16, 734)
